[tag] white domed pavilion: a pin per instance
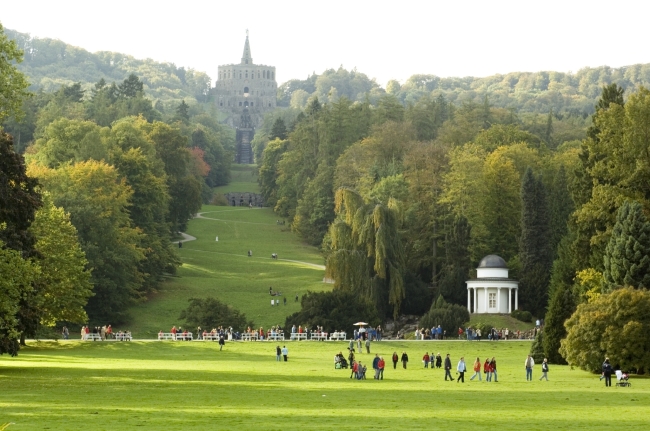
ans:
(491, 290)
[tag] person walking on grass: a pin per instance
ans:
(487, 369)
(359, 344)
(477, 369)
(493, 369)
(425, 360)
(461, 368)
(222, 342)
(529, 364)
(368, 345)
(438, 361)
(544, 370)
(285, 353)
(607, 372)
(375, 366)
(405, 359)
(448, 368)
(278, 353)
(381, 365)
(395, 360)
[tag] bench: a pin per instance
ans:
(249, 336)
(321, 336)
(338, 336)
(211, 337)
(93, 337)
(165, 336)
(276, 337)
(298, 336)
(186, 337)
(123, 337)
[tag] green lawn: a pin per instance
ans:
(222, 269)
(183, 386)
(243, 178)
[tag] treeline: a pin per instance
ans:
(565, 94)
(50, 64)
(405, 201)
(125, 176)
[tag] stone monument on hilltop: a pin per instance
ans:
(245, 91)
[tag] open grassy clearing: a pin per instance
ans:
(180, 386)
(243, 178)
(222, 269)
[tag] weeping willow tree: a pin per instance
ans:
(366, 255)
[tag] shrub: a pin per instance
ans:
(450, 317)
(220, 200)
(521, 315)
(211, 313)
(334, 311)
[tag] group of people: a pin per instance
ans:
(374, 334)
(104, 332)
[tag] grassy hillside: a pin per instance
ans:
(243, 178)
(222, 269)
(194, 386)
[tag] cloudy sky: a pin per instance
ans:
(386, 40)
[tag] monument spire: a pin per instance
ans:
(246, 58)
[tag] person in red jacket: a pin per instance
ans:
(487, 369)
(381, 365)
(395, 360)
(354, 368)
(173, 331)
(426, 359)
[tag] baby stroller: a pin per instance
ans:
(622, 379)
(344, 363)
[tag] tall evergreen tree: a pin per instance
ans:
(534, 245)
(279, 130)
(561, 206)
(627, 255)
(452, 284)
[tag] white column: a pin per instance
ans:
(475, 300)
(486, 298)
(469, 308)
(498, 300)
(516, 298)
(509, 300)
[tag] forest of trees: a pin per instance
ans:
(88, 212)
(405, 189)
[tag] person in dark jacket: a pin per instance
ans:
(544, 370)
(607, 372)
(448, 368)
(438, 361)
(395, 359)
(222, 341)
(405, 359)
(493, 369)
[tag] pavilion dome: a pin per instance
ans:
(492, 261)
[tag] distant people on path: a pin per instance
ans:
(405, 359)
(544, 370)
(478, 334)
(395, 360)
(250, 253)
(285, 353)
(461, 368)
(607, 372)
(285, 300)
(65, 333)
(460, 333)
(296, 298)
(368, 345)
(272, 302)
(359, 345)
(448, 368)
(278, 353)
(180, 244)
(477, 369)
(438, 361)
(530, 363)
(271, 290)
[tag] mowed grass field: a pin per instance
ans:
(222, 269)
(194, 386)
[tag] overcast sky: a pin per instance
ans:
(385, 40)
